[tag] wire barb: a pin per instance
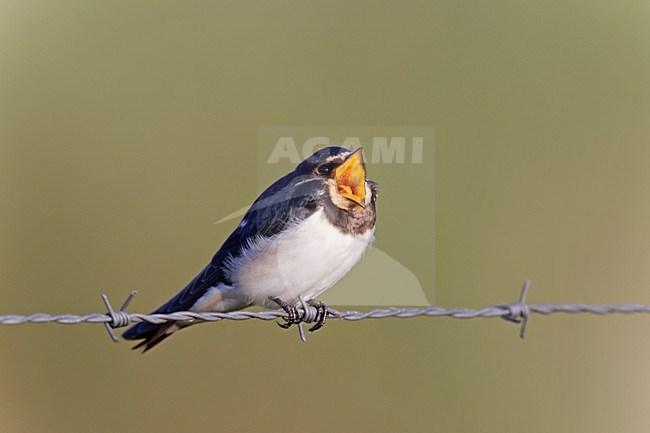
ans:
(308, 314)
(118, 318)
(519, 311)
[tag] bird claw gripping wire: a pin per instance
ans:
(321, 313)
(293, 317)
(119, 318)
(312, 311)
(519, 311)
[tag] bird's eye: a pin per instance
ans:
(325, 169)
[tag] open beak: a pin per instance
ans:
(351, 178)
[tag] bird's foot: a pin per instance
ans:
(293, 318)
(321, 314)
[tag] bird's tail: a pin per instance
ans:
(150, 333)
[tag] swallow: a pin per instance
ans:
(301, 235)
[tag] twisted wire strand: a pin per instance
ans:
(518, 312)
(351, 315)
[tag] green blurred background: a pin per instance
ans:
(128, 128)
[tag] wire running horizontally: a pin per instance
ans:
(518, 312)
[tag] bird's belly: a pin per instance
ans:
(304, 260)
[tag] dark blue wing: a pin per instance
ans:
(290, 199)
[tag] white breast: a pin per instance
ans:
(304, 260)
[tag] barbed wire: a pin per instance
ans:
(518, 312)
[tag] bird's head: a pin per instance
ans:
(344, 174)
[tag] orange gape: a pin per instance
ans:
(351, 178)
(345, 190)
